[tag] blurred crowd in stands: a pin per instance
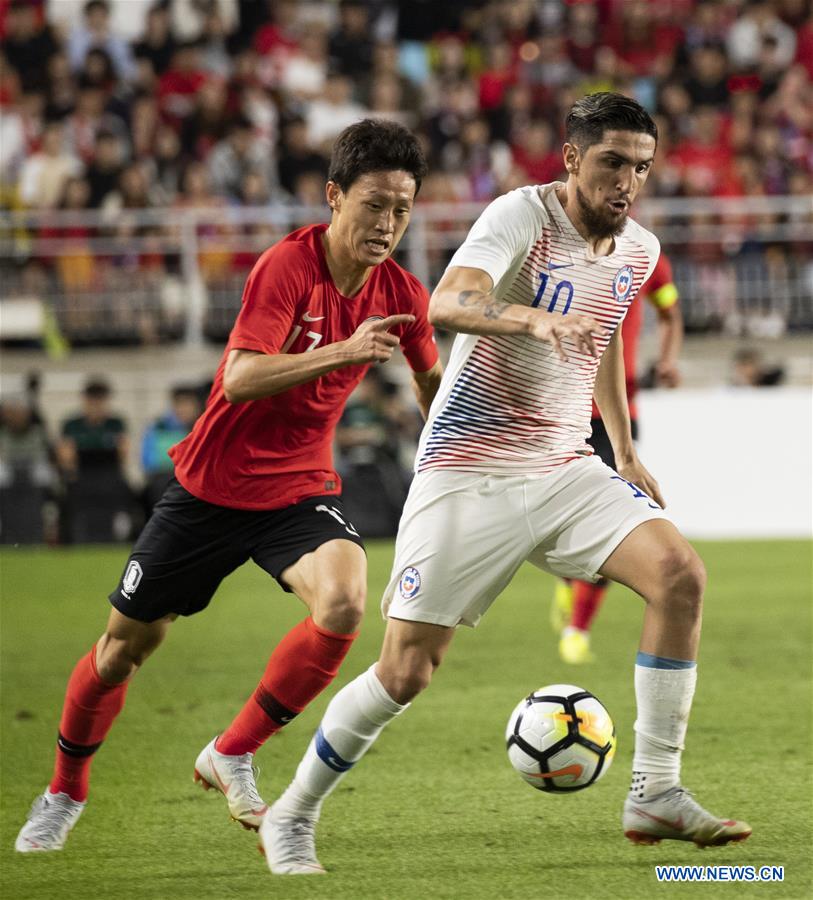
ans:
(147, 115)
(212, 102)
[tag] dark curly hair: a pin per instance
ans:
(375, 145)
(594, 114)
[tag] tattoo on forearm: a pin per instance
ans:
(470, 298)
(492, 309)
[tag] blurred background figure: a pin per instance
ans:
(26, 472)
(370, 455)
(92, 452)
(167, 430)
(93, 32)
(750, 370)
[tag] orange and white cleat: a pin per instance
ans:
(675, 815)
(235, 778)
(51, 818)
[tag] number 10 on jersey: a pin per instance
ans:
(563, 287)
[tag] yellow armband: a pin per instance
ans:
(665, 296)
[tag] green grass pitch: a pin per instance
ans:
(434, 811)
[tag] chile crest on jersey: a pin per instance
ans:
(622, 284)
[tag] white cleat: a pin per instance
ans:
(234, 777)
(676, 815)
(51, 818)
(289, 845)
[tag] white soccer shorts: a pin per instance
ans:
(463, 535)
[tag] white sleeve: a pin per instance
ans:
(654, 250)
(505, 230)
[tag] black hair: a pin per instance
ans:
(240, 122)
(185, 390)
(96, 386)
(96, 4)
(375, 145)
(594, 114)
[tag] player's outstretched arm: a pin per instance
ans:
(250, 375)
(464, 301)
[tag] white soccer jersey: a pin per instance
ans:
(508, 403)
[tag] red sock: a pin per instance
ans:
(89, 710)
(587, 599)
(304, 662)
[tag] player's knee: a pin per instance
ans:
(682, 579)
(113, 663)
(340, 606)
(118, 660)
(407, 674)
(404, 684)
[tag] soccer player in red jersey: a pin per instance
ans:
(576, 603)
(255, 478)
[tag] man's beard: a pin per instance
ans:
(599, 223)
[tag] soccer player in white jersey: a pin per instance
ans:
(504, 474)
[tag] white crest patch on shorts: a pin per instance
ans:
(410, 583)
(622, 284)
(132, 577)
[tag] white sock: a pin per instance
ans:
(664, 698)
(353, 720)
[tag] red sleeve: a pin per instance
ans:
(418, 338)
(282, 276)
(661, 275)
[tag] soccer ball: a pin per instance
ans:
(560, 739)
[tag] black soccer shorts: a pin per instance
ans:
(189, 546)
(599, 440)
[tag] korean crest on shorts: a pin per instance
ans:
(622, 284)
(132, 577)
(410, 583)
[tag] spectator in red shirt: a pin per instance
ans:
(498, 75)
(582, 35)
(179, 84)
(535, 155)
(255, 478)
(703, 158)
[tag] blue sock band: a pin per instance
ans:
(328, 755)
(663, 662)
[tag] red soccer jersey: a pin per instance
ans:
(273, 452)
(661, 292)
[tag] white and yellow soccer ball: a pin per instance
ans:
(560, 738)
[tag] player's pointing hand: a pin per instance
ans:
(581, 330)
(372, 341)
